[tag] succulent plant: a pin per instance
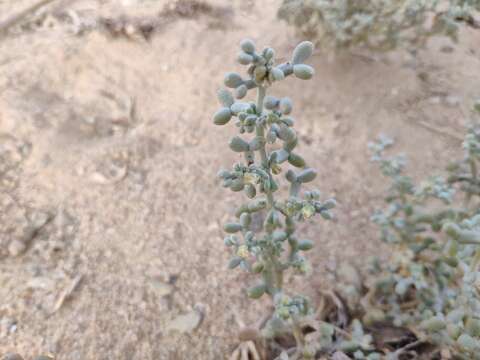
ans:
(380, 25)
(432, 281)
(267, 142)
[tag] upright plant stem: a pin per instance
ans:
(260, 132)
(272, 274)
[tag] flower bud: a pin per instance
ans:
(234, 262)
(237, 144)
(248, 46)
(256, 292)
(269, 54)
(291, 177)
(225, 97)
(306, 175)
(286, 133)
(244, 58)
(241, 91)
(305, 245)
(296, 160)
(286, 106)
(302, 52)
(232, 80)
(277, 74)
(239, 107)
(232, 227)
(270, 102)
(237, 185)
(222, 116)
(303, 72)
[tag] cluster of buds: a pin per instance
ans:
(273, 248)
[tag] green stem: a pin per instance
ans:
(261, 92)
(273, 275)
(260, 132)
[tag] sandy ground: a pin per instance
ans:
(110, 211)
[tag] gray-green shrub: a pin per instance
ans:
(432, 281)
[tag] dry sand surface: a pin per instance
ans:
(110, 213)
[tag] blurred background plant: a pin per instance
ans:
(430, 283)
(379, 25)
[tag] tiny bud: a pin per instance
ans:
(222, 174)
(286, 133)
(241, 91)
(290, 145)
(308, 211)
(248, 46)
(237, 144)
(270, 102)
(232, 80)
(239, 107)
(237, 185)
(234, 262)
(232, 227)
(286, 105)
(306, 175)
(303, 72)
(257, 291)
(291, 177)
(292, 240)
(276, 169)
(330, 204)
(302, 52)
(243, 252)
(305, 245)
(296, 160)
(277, 74)
(222, 116)
(230, 240)
(244, 58)
(326, 215)
(269, 54)
(225, 97)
